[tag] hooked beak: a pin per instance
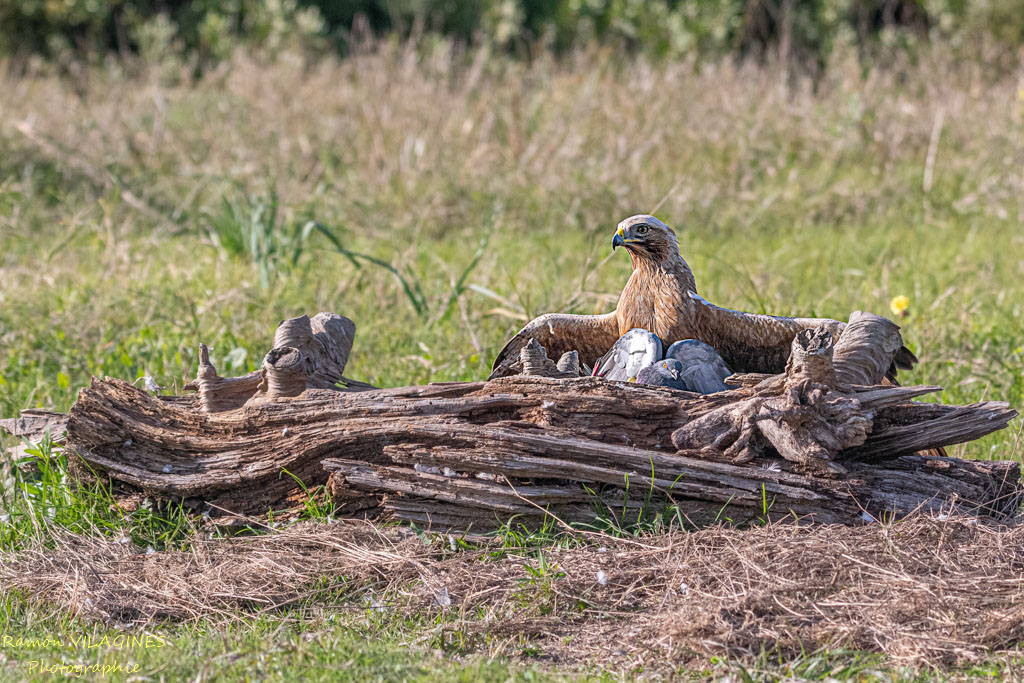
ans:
(617, 241)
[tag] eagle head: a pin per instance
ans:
(646, 238)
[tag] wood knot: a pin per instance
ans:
(569, 364)
(810, 359)
(535, 361)
(284, 371)
(207, 381)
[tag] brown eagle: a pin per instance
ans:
(661, 296)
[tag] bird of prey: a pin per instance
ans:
(661, 296)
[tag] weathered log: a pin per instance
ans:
(567, 433)
(867, 349)
(815, 444)
(34, 424)
(323, 344)
(31, 427)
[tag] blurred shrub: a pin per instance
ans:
(205, 31)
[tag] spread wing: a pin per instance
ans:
(590, 335)
(749, 342)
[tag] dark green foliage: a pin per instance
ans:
(205, 31)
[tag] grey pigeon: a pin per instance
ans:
(704, 371)
(634, 351)
(664, 373)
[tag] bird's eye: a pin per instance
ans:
(642, 229)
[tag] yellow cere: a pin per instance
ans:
(621, 232)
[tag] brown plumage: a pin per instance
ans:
(661, 297)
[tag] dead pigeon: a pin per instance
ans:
(664, 373)
(634, 351)
(703, 370)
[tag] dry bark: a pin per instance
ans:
(808, 444)
(34, 424)
(471, 454)
(31, 427)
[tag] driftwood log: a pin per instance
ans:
(826, 442)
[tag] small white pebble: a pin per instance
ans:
(284, 432)
(425, 468)
(149, 550)
(683, 588)
(166, 469)
(128, 442)
(449, 472)
(602, 578)
(602, 549)
(547, 404)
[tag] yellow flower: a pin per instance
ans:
(899, 306)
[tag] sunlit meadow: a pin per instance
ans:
(440, 198)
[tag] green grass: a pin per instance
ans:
(357, 645)
(440, 201)
(286, 647)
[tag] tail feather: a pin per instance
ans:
(905, 359)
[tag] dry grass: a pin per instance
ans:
(925, 591)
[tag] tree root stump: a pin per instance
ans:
(827, 442)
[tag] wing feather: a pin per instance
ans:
(751, 342)
(589, 335)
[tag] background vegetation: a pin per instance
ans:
(205, 33)
(172, 173)
(441, 199)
